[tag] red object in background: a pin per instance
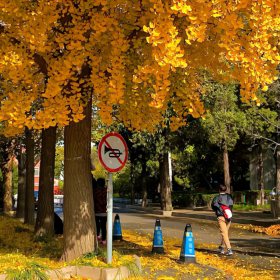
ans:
(58, 192)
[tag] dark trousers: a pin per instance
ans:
(101, 226)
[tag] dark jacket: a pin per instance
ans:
(100, 200)
(222, 199)
(99, 197)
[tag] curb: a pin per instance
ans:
(227, 276)
(90, 272)
(202, 216)
(251, 253)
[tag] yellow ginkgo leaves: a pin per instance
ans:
(138, 56)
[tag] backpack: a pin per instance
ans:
(227, 213)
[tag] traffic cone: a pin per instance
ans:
(158, 241)
(117, 229)
(188, 252)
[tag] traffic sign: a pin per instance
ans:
(113, 152)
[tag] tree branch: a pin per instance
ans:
(42, 63)
(268, 120)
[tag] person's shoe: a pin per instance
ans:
(99, 237)
(222, 249)
(229, 252)
(104, 242)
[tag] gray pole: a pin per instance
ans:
(109, 218)
(170, 169)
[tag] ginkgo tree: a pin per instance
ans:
(136, 55)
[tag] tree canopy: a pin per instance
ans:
(137, 55)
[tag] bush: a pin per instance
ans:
(208, 198)
(184, 199)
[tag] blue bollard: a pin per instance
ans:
(117, 229)
(188, 252)
(158, 241)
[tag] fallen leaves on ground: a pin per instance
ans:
(272, 230)
(20, 249)
(237, 268)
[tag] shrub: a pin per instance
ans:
(207, 198)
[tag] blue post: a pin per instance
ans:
(117, 229)
(188, 252)
(158, 241)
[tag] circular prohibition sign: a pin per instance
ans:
(112, 152)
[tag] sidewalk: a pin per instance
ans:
(255, 218)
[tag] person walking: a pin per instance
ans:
(100, 208)
(222, 204)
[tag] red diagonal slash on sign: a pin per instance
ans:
(113, 151)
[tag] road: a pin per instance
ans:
(206, 232)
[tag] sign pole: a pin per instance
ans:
(109, 219)
(112, 154)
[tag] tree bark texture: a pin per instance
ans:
(7, 184)
(144, 182)
(21, 185)
(278, 184)
(165, 188)
(261, 179)
(226, 170)
(45, 213)
(79, 219)
(132, 181)
(29, 189)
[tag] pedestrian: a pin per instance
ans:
(222, 204)
(100, 208)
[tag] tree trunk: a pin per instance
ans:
(278, 184)
(21, 185)
(7, 184)
(132, 181)
(45, 213)
(164, 178)
(144, 182)
(226, 170)
(29, 188)
(79, 219)
(261, 180)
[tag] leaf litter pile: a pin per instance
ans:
(26, 257)
(240, 268)
(272, 230)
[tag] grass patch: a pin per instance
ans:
(246, 207)
(30, 270)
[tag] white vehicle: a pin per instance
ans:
(58, 200)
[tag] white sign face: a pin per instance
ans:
(112, 152)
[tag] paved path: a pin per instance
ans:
(203, 231)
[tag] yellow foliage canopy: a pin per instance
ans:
(138, 55)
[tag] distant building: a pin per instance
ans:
(36, 178)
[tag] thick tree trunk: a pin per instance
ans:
(261, 180)
(278, 184)
(21, 185)
(7, 185)
(79, 219)
(144, 182)
(29, 188)
(226, 170)
(165, 188)
(132, 181)
(45, 213)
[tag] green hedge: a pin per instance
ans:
(189, 200)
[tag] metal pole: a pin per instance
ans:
(170, 170)
(109, 218)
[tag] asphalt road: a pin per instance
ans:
(206, 232)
